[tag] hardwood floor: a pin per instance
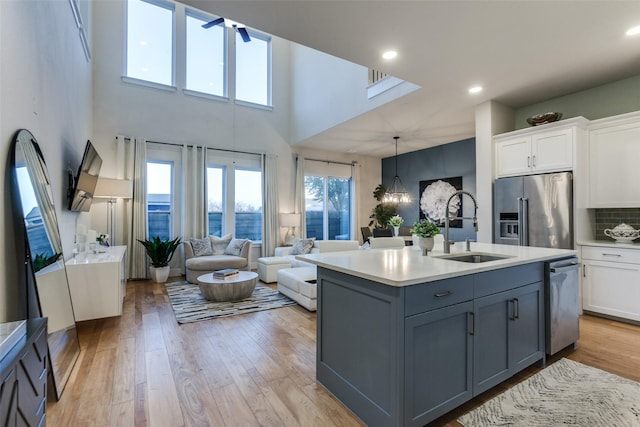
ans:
(143, 368)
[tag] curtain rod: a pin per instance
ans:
(330, 161)
(191, 146)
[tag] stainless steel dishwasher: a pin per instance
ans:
(562, 306)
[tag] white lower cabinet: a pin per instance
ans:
(611, 281)
(97, 283)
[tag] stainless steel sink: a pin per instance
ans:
(474, 257)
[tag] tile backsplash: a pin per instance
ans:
(609, 218)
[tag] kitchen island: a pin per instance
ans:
(404, 338)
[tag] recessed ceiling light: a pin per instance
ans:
(633, 31)
(475, 89)
(143, 43)
(390, 54)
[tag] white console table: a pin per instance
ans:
(97, 283)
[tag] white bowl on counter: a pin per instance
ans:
(622, 233)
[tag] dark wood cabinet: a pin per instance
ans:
(23, 378)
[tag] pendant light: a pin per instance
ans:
(395, 192)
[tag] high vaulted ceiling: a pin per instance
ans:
(521, 52)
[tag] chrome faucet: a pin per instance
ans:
(447, 242)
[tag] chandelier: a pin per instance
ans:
(395, 192)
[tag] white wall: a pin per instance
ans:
(327, 91)
(45, 87)
(492, 118)
(131, 110)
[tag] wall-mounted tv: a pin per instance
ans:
(84, 183)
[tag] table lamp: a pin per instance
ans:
(289, 220)
(113, 189)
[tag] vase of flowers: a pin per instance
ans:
(425, 230)
(396, 221)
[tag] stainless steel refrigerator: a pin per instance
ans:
(534, 210)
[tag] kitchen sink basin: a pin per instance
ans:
(474, 258)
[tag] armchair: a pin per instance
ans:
(195, 266)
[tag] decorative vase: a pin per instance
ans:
(425, 244)
(159, 274)
(396, 230)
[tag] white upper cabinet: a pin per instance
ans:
(550, 148)
(614, 162)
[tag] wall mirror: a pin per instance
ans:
(46, 282)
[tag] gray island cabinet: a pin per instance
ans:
(405, 355)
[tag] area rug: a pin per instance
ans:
(189, 305)
(565, 393)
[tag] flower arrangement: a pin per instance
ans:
(103, 239)
(396, 221)
(425, 228)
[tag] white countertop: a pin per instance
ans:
(105, 254)
(609, 244)
(406, 266)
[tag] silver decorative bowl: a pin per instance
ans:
(541, 119)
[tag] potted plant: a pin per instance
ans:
(382, 212)
(425, 230)
(396, 221)
(160, 252)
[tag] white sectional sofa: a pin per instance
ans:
(297, 279)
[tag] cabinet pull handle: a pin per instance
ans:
(472, 316)
(534, 161)
(514, 309)
(584, 270)
(528, 161)
(606, 254)
(443, 294)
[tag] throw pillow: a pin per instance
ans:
(201, 246)
(235, 247)
(219, 244)
(302, 246)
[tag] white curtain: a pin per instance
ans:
(299, 196)
(194, 192)
(136, 160)
(355, 191)
(270, 226)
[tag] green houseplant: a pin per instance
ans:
(160, 253)
(396, 221)
(382, 212)
(425, 230)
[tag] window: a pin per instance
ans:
(234, 204)
(150, 41)
(253, 69)
(159, 200)
(248, 206)
(328, 207)
(206, 56)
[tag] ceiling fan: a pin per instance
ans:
(241, 29)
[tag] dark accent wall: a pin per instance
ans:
(444, 161)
